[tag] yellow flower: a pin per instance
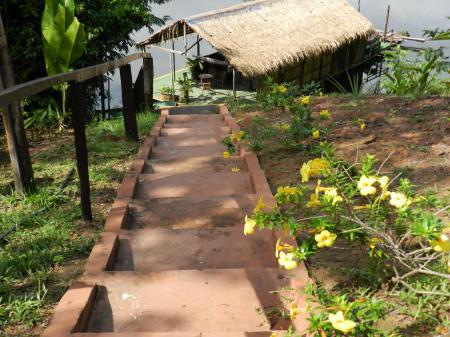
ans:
(325, 114)
(284, 126)
(293, 311)
(399, 200)
(235, 169)
(305, 172)
(332, 195)
(441, 244)
(365, 185)
(325, 239)
(316, 134)
(384, 182)
(287, 261)
(249, 227)
(319, 166)
(362, 126)
(241, 134)
(282, 89)
(226, 155)
(259, 206)
(340, 323)
(313, 201)
(274, 334)
(279, 247)
(304, 100)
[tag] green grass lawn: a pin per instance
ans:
(48, 250)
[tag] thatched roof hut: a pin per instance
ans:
(258, 37)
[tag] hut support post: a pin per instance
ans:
(148, 83)
(109, 97)
(78, 112)
(172, 57)
(185, 38)
(129, 106)
(387, 21)
(234, 84)
(198, 45)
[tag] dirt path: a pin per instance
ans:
(173, 260)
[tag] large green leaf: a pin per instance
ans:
(63, 36)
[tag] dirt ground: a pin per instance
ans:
(415, 133)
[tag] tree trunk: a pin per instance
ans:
(14, 125)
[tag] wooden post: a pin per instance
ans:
(198, 45)
(14, 125)
(129, 106)
(78, 105)
(185, 38)
(234, 84)
(148, 83)
(359, 6)
(173, 70)
(387, 21)
(102, 97)
(109, 98)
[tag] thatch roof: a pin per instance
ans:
(260, 36)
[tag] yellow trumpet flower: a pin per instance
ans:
(325, 114)
(304, 100)
(316, 134)
(249, 226)
(294, 311)
(235, 169)
(441, 244)
(339, 322)
(287, 260)
(325, 239)
(399, 200)
(365, 185)
(313, 201)
(226, 155)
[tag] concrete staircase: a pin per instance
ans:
(173, 260)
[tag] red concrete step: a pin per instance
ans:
(191, 212)
(206, 131)
(193, 118)
(194, 164)
(214, 300)
(180, 334)
(166, 185)
(148, 250)
(193, 140)
(175, 152)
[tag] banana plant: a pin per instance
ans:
(63, 38)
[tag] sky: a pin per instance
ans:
(406, 15)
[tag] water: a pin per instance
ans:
(406, 15)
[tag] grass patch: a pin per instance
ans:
(47, 251)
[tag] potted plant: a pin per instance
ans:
(186, 85)
(167, 93)
(195, 67)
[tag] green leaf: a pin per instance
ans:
(63, 35)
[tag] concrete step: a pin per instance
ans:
(193, 118)
(195, 110)
(194, 164)
(196, 124)
(191, 212)
(166, 185)
(180, 334)
(214, 300)
(206, 131)
(175, 152)
(193, 140)
(147, 250)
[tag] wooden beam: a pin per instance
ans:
(386, 23)
(198, 45)
(195, 44)
(129, 105)
(148, 83)
(24, 90)
(172, 51)
(78, 105)
(13, 121)
(213, 61)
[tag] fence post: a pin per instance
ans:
(78, 106)
(129, 105)
(148, 83)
